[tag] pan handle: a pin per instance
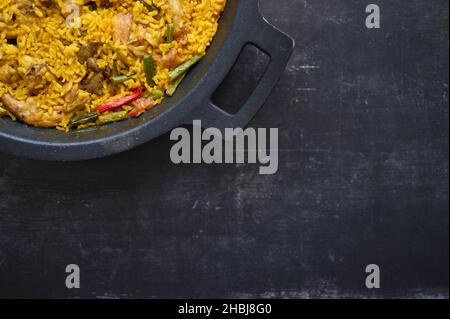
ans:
(279, 47)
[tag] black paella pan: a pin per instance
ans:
(241, 24)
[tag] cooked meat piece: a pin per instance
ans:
(73, 103)
(144, 34)
(72, 94)
(88, 51)
(176, 8)
(170, 60)
(92, 65)
(34, 69)
(29, 112)
(8, 72)
(95, 84)
(107, 72)
(33, 66)
(121, 24)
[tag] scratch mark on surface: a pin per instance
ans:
(307, 89)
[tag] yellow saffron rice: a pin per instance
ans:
(49, 32)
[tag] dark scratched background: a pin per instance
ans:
(363, 178)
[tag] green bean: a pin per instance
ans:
(121, 79)
(175, 84)
(115, 70)
(113, 117)
(150, 7)
(78, 120)
(170, 31)
(149, 68)
(183, 68)
(155, 94)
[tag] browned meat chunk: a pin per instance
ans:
(35, 69)
(8, 72)
(94, 85)
(29, 112)
(170, 60)
(92, 65)
(88, 51)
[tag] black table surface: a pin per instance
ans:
(363, 178)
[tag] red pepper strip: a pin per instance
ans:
(120, 102)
